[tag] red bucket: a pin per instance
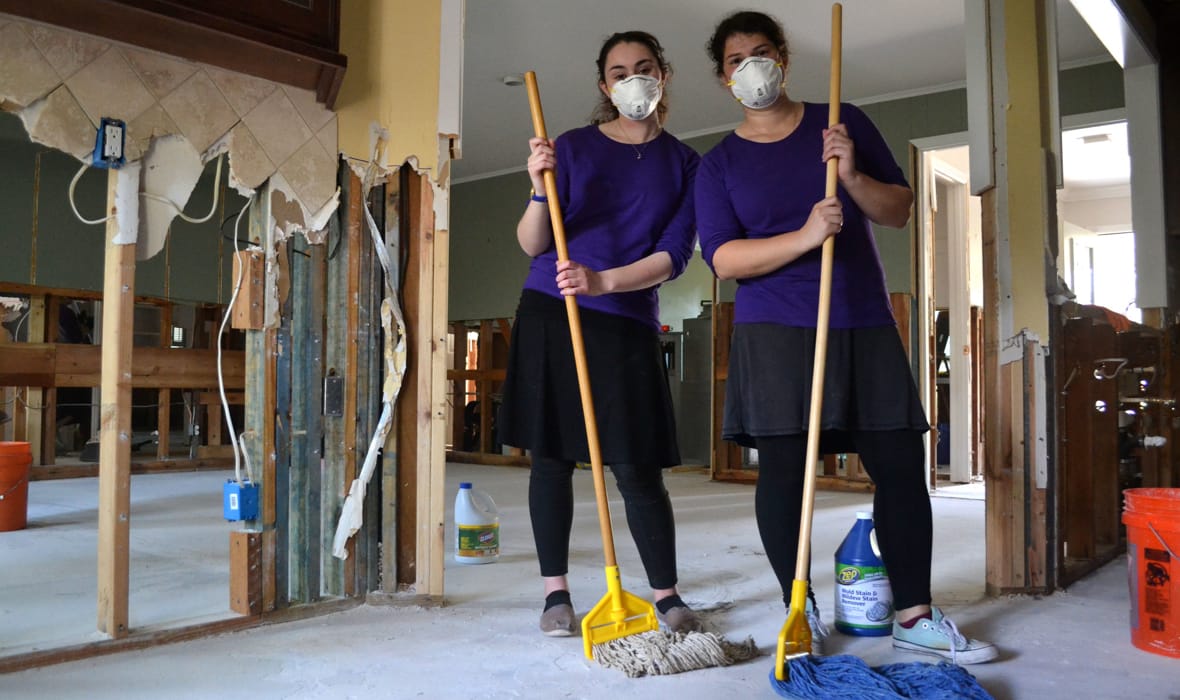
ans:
(15, 460)
(1152, 517)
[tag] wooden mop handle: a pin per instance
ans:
(575, 322)
(821, 323)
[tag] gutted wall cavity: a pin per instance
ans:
(62, 83)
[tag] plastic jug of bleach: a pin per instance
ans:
(477, 526)
(864, 600)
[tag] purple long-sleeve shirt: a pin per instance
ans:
(619, 208)
(758, 190)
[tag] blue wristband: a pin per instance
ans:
(533, 196)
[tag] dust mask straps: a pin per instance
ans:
(757, 82)
(636, 97)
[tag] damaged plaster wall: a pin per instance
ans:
(401, 101)
(61, 83)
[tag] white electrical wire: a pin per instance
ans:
(148, 195)
(240, 455)
(180, 212)
(73, 184)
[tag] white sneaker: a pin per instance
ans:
(940, 637)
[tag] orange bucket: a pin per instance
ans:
(1152, 517)
(15, 460)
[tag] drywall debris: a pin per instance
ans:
(126, 203)
(171, 170)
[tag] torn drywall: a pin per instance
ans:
(171, 170)
(62, 83)
(126, 203)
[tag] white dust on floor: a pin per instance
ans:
(485, 644)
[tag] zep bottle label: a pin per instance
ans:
(864, 599)
(479, 541)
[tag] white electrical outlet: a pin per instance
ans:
(112, 142)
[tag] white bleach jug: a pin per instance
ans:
(477, 526)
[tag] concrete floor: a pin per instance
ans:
(484, 643)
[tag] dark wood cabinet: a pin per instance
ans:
(295, 42)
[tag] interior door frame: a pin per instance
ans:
(924, 269)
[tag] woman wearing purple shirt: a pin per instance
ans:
(626, 193)
(762, 218)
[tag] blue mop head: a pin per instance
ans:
(840, 677)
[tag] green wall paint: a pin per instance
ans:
(69, 252)
(17, 166)
(488, 268)
(1091, 88)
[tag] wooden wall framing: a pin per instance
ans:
(421, 411)
(494, 340)
(841, 473)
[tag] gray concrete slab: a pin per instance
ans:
(484, 643)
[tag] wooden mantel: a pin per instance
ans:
(290, 42)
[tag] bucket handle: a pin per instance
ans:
(26, 478)
(1161, 539)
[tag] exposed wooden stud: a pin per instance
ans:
(257, 436)
(245, 572)
(726, 461)
(392, 493)
(484, 396)
(114, 477)
(370, 351)
(438, 408)
(34, 401)
(356, 236)
(248, 311)
(276, 500)
(48, 401)
(421, 409)
(458, 385)
(164, 397)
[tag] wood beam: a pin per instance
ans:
(114, 476)
(68, 365)
(422, 403)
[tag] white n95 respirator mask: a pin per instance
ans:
(757, 82)
(636, 97)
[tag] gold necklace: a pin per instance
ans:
(636, 147)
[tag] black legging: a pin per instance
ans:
(649, 517)
(901, 507)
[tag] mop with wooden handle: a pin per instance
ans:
(794, 640)
(796, 673)
(620, 614)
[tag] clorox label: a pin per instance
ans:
(479, 540)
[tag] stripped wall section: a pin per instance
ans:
(62, 83)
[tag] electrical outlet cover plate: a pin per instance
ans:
(109, 143)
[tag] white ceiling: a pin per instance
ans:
(891, 47)
(1096, 156)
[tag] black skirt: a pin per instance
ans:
(541, 408)
(868, 384)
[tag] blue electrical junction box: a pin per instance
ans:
(240, 500)
(109, 143)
